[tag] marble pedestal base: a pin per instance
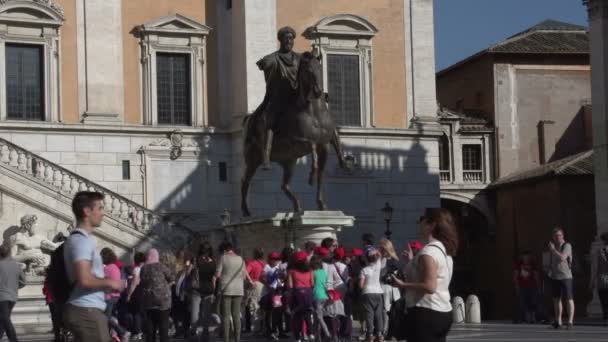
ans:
(31, 315)
(285, 229)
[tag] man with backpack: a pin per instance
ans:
(560, 272)
(83, 311)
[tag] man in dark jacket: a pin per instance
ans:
(11, 280)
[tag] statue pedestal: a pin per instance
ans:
(31, 315)
(286, 229)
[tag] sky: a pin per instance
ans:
(465, 27)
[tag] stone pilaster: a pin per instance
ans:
(598, 35)
(420, 57)
(100, 60)
(254, 34)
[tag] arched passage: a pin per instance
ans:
(476, 235)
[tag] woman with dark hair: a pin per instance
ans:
(202, 307)
(427, 294)
(112, 271)
(134, 296)
(330, 243)
(155, 283)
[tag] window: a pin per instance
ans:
(223, 172)
(344, 43)
(126, 170)
(344, 89)
(444, 153)
(174, 71)
(173, 88)
(471, 157)
(24, 82)
(29, 43)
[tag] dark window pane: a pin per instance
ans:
(24, 82)
(173, 88)
(126, 170)
(344, 89)
(444, 153)
(223, 172)
(471, 157)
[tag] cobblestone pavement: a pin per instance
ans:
(490, 332)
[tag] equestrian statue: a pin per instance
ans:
(292, 121)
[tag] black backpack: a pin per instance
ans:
(59, 284)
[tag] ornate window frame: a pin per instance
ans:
(34, 22)
(347, 34)
(174, 34)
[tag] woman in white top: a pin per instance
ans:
(428, 299)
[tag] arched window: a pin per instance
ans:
(29, 60)
(173, 70)
(344, 42)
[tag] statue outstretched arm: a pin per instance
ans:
(48, 245)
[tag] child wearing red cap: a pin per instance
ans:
(300, 281)
(271, 295)
(320, 291)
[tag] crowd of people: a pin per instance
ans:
(312, 293)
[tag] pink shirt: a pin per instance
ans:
(112, 272)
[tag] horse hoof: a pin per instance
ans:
(266, 167)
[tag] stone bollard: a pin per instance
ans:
(473, 310)
(458, 310)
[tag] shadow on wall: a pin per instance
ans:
(394, 170)
(577, 137)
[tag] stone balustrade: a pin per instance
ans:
(68, 183)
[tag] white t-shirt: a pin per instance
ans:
(333, 277)
(371, 276)
(440, 300)
(272, 277)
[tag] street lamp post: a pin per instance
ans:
(388, 216)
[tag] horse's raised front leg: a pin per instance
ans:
(314, 167)
(288, 169)
(245, 182)
(322, 161)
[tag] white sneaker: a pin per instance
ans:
(125, 337)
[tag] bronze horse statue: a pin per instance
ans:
(305, 128)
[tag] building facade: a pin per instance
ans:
(516, 106)
(145, 103)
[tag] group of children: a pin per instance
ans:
(317, 292)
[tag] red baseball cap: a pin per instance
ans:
(340, 253)
(356, 252)
(274, 256)
(321, 252)
(300, 256)
(416, 245)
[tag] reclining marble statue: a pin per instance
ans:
(292, 121)
(29, 248)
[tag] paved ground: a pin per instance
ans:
(526, 333)
(491, 332)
